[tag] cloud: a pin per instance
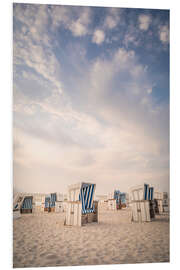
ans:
(164, 34)
(72, 18)
(79, 27)
(98, 36)
(41, 60)
(34, 21)
(144, 22)
(110, 22)
(32, 46)
(131, 38)
(79, 117)
(149, 91)
(116, 137)
(112, 18)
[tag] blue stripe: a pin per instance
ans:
(82, 198)
(88, 192)
(91, 196)
(152, 193)
(53, 199)
(27, 203)
(117, 195)
(47, 200)
(85, 195)
(145, 191)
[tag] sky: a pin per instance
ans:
(90, 97)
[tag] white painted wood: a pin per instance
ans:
(140, 211)
(73, 214)
(158, 195)
(74, 191)
(59, 197)
(101, 197)
(160, 206)
(135, 211)
(139, 214)
(68, 214)
(64, 206)
(110, 196)
(137, 193)
(112, 204)
(147, 211)
(38, 203)
(36, 208)
(18, 200)
(59, 207)
(42, 207)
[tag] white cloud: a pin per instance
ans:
(137, 71)
(112, 18)
(149, 91)
(144, 22)
(78, 29)
(74, 19)
(164, 34)
(110, 22)
(122, 56)
(33, 48)
(131, 38)
(108, 130)
(98, 36)
(116, 137)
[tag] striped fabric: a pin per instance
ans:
(151, 194)
(86, 196)
(146, 188)
(120, 196)
(53, 199)
(47, 202)
(27, 203)
(123, 197)
(117, 196)
(50, 200)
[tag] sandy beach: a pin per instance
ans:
(43, 240)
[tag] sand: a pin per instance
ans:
(43, 240)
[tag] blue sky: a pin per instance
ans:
(91, 97)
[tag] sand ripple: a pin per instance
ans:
(43, 240)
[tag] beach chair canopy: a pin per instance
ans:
(47, 202)
(27, 203)
(123, 197)
(86, 196)
(117, 195)
(83, 192)
(53, 199)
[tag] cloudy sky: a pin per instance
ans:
(91, 97)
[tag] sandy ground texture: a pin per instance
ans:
(43, 240)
